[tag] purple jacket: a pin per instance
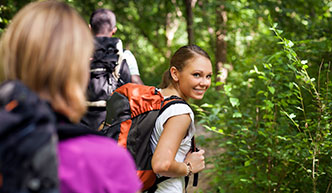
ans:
(96, 164)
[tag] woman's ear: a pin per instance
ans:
(174, 73)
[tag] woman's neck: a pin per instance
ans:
(170, 90)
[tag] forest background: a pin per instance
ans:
(270, 106)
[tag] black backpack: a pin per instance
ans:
(109, 70)
(28, 139)
(29, 135)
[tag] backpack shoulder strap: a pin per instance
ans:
(166, 103)
(153, 188)
(171, 101)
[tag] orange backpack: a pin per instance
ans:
(132, 111)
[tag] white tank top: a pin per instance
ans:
(174, 185)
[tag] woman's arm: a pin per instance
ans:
(163, 160)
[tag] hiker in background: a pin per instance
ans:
(47, 47)
(189, 76)
(111, 67)
(103, 24)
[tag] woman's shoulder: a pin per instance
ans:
(97, 160)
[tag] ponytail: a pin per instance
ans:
(166, 80)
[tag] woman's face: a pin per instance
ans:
(195, 78)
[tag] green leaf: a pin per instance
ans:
(292, 115)
(237, 115)
(269, 103)
(229, 142)
(206, 105)
(299, 108)
(228, 88)
(275, 25)
(282, 138)
(271, 89)
(234, 101)
(280, 31)
(262, 77)
(289, 43)
(290, 85)
(304, 66)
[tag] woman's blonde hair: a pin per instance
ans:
(47, 47)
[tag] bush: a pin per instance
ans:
(275, 124)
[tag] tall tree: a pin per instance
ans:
(221, 44)
(190, 4)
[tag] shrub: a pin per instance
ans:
(275, 126)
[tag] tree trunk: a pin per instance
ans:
(221, 45)
(190, 4)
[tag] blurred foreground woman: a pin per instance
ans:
(47, 48)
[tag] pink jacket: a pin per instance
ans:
(95, 164)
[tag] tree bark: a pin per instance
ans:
(221, 44)
(190, 4)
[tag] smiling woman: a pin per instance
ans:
(194, 79)
(189, 76)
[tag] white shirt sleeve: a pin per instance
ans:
(174, 110)
(174, 185)
(132, 63)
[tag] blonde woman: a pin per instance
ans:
(47, 47)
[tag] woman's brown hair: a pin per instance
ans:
(179, 61)
(47, 47)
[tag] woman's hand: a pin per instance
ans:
(196, 160)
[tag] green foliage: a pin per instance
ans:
(275, 126)
(272, 119)
(8, 10)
